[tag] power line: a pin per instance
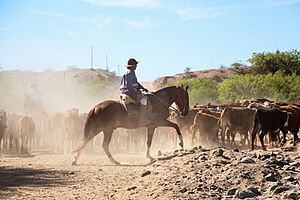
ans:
(106, 59)
(92, 58)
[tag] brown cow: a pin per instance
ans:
(11, 136)
(3, 124)
(73, 128)
(185, 122)
(54, 130)
(207, 125)
(25, 130)
(210, 112)
(293, 122)
(234, 120)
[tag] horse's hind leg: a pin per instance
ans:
(76, 158)
(105, 145)
(82, 145)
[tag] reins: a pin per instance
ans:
(163, 102)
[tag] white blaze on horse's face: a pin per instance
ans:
(182, 100)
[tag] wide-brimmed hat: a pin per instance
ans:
(131, 62)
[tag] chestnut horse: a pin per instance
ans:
(109, 115)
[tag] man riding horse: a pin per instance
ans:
(109, 115)
(32, 103)
(34, 108)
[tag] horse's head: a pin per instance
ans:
(182, 100)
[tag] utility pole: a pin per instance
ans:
(92, 59)
(106, 58)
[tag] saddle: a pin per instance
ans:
(130, 105)
(125, 100)
(134, 109)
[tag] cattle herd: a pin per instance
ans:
(234, 125)
(220, 123)
(20, 133)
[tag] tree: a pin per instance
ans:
(271, 62)
(187, 70)
(239, 68)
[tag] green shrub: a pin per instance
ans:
(201, 90)
(277, 86)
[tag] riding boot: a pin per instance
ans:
(144, 115)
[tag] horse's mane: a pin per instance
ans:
(163, 90)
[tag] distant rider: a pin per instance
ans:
(34, 93)
(33, 104)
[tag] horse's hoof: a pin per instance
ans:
(117, 163)
(181, 144)
(152, 161)
(74, 163)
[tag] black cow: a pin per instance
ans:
(268, 120)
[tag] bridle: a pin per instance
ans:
(163, 102)
(179, 100)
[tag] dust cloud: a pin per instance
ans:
(67, 96)
(60, 90)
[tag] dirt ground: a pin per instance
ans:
(50, 176)
(198, 173)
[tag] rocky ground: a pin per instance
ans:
(198, 173)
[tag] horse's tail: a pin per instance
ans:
(87, 132)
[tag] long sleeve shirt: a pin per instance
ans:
(129, 84)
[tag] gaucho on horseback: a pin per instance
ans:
(32, 103)
(109, 115)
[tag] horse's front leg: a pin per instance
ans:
(167, 123)
(149, 142)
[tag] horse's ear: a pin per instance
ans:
(186, 87)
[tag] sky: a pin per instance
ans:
(165, 36)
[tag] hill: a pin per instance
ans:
(216, 74)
